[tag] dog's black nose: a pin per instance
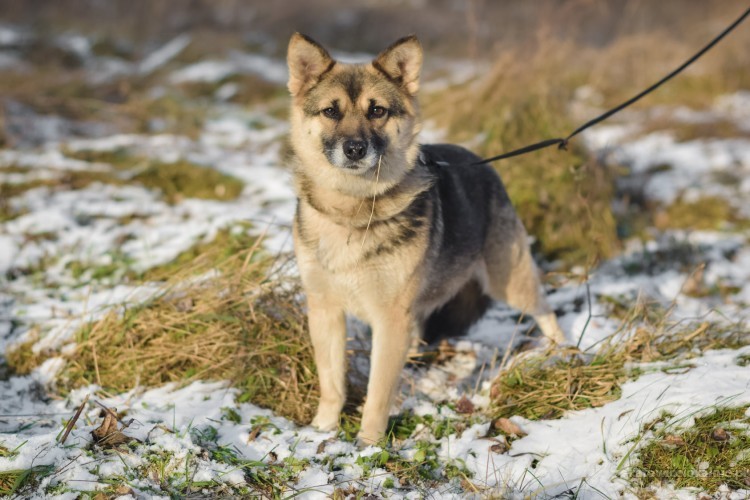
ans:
(355, 150)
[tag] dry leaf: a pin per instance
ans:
(254, 433)
(464, 405)
(109, 434)
(499, 446)
(185, 304)
(506, 426)
(323, 444)
(109, 426)
(672, 440)
(446, 351)
(719, 434)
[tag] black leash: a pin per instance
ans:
(563, 143)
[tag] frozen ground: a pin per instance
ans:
(584, 454)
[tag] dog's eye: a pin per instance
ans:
(376, 112)
(331, 112)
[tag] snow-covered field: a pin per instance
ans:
(584, 454)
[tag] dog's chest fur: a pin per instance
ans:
(366, 250)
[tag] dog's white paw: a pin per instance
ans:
(325, 423)
(551, 329)
(365, 439)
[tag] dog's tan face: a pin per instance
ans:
(354, 126)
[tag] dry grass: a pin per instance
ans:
(241, 325)
(177, 180)
(70, 180)
(563, 198)
(21, 358)
(707, 212)
(547, 385)
(183, 179)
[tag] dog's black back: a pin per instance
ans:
(463, 197)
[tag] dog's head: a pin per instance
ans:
(355, 124)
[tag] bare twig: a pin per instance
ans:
(73, 420)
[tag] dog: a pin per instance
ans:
(405, 237)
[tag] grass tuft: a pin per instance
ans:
(70, 180)
(21, 358)
(707, 212)
(545, 388)
(238, 324)
(119, 157)
(176, 180)
(226, 244)
(13, 481)
(711, 453)
(183, 179)
(547, 385)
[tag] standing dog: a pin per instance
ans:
(386, 229)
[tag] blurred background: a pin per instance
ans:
(497, 75)
(457, 28)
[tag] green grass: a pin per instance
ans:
(70, 180)
(15, 482)
(176, 181)
(710, 453)
(183, 179)
(121, 158)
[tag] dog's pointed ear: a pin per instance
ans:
(402, 62)
(307, 60)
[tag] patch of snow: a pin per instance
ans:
(164, 54)
(269, 69)
(75, 43)
(203, 71)
(8, 252)
(11, 36)
(737, 107)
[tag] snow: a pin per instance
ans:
(588, 451)
(8, 251)
(212, 71)
(11, 35)
(591, 444)
(164, 54)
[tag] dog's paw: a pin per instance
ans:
(325, 423)
(551, 329)
(365, 439)
(546, 344)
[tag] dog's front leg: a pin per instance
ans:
(328, 334)
(391, 339)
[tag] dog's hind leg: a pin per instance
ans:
(514, 278)
(328, 334)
